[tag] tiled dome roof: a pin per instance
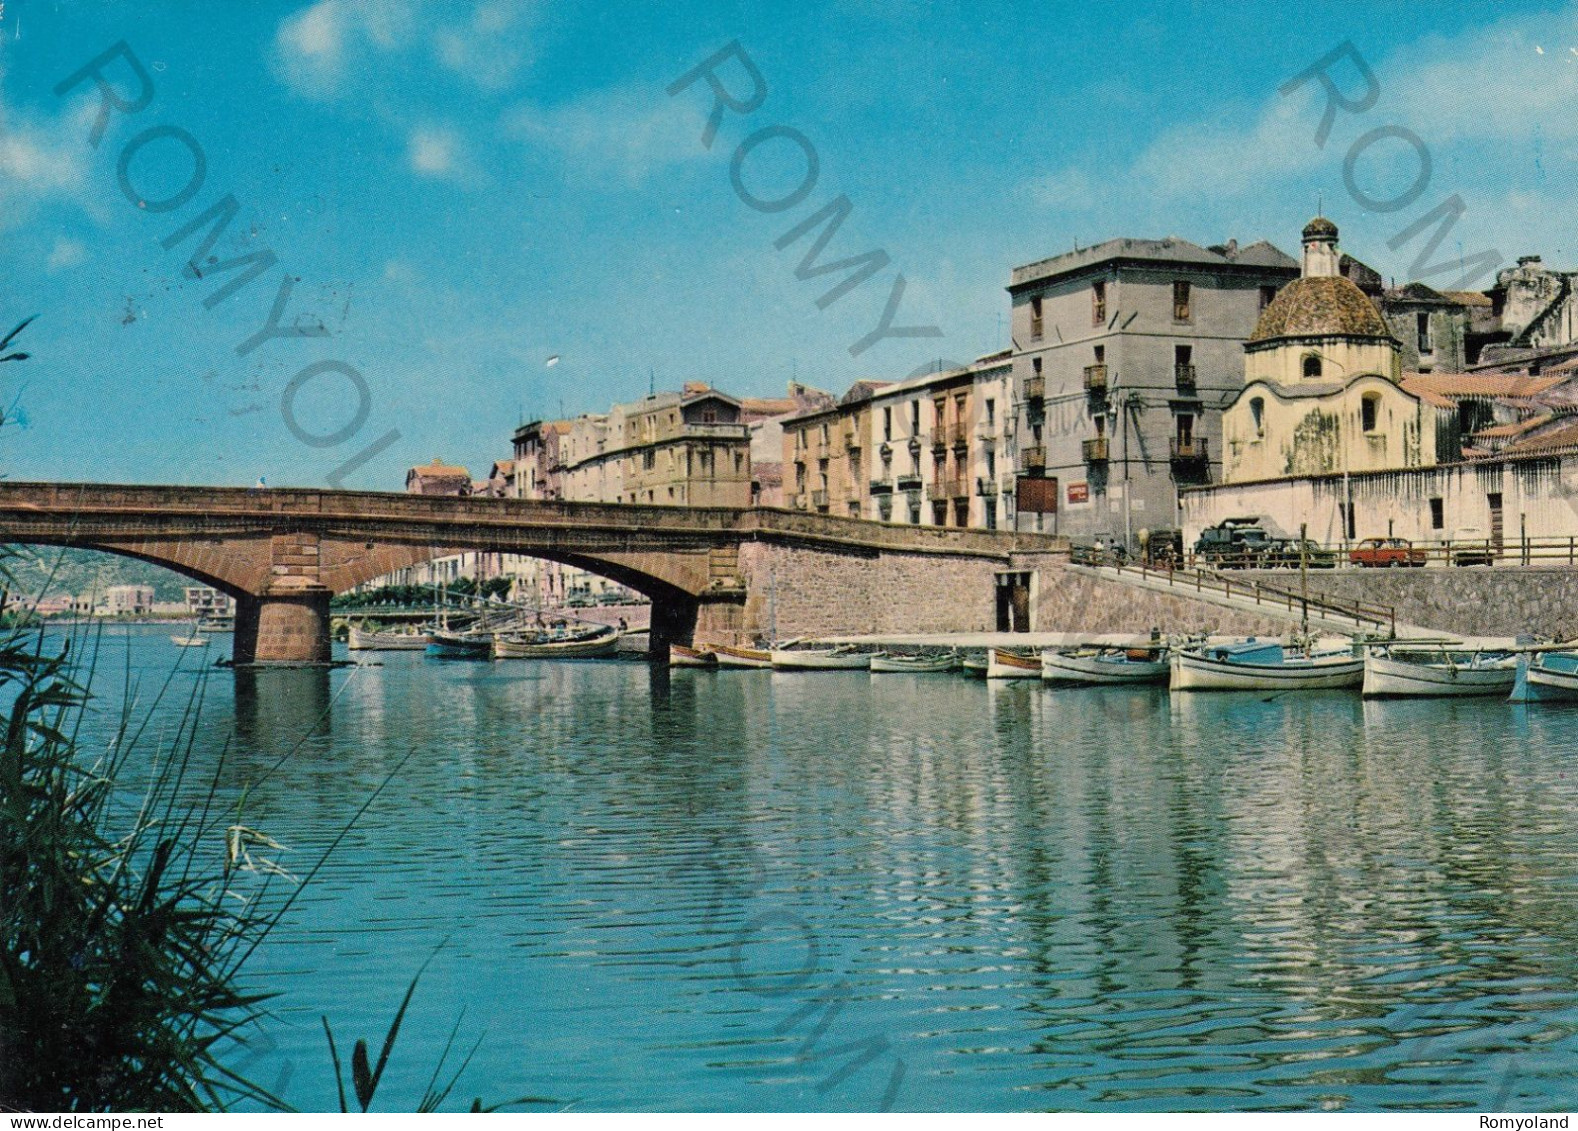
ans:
(1320, 226)
(1325, 304)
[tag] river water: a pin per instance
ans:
(760, 890)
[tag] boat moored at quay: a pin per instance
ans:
(1407, 671)
(1256, 665)
(1100, 666)
(1005, 663)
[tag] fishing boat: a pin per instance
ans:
(1001, 663)
(1105, 666)
(459, 645)
(681, 656)
(730, 656)
(193, 641)
(394, 640)
(820, 659)
(217, 624)
(1259, 665)
(916, 665)
(974, 666)
(1547, 677)
(1399, 671)
(556, 645)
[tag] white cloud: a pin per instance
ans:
(434, 152)
(625, 133)
(67, 253)
(41, 159)
(320, 49)
(1487, 87)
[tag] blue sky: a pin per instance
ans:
(464, 191)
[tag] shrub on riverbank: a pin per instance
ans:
(118, 949)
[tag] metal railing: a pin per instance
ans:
(1263, 593)
(1035, 388)
(1096, 378)
(1033, 459)
(1184, 377)
(1094, 451)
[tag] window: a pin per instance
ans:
(991, 464)
(1311, 365)
(709, 416)
(991, 411)
(1035, 317)
(887, 424)
(1422, 323)
(1437, 515)
(914, 514)
(1257, 413)
(939, 513)
(1101, 355)
(799, 477)
(989, 513)
(1098, 303)
(1185, 423)
(1035, 366)
(1181, 301)
(1369, 406)
(648, 460)
(915, 418)
(1101, 426)
(1182, 355)
(824, 433)
(1267, 294)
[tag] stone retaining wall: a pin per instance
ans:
(1471, 601)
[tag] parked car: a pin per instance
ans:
(1234, 543)
(1377, 552)
(1472, 548)
(579, 601)
(1163, 549)
(1290, 553)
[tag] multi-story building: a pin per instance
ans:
(127, 600)
(934, 450)
(685, 449)
(206, 603)
(1124, 355)
(438, 478)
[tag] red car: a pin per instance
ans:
(1387, 552)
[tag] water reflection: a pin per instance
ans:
(1103, 900)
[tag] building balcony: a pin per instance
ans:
(1184, 377)
(851, 440)
(713, 432)
(959, 488)
(1035, 388)
(1033, 459)
(819, 499)
(1094, 451)
(985, 486)
(1193, 451)
(959, 434)
(1095, 378)
(910, 482)
(881, 487)
(939, 438)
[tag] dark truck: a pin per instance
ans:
(1233, 543)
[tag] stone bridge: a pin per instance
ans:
(282, 554)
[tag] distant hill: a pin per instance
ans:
(66, 572)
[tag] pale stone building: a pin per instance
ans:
(1124, 355)
(1322, 388)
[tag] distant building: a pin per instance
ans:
(126, 600)
(206, 603)
(438, 478)
(1124, 355)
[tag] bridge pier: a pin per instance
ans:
(287, 624)
(681, 619)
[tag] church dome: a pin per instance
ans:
(1320, 228)
(1319, 306)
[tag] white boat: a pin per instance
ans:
(730, 656)
(365, 640)
(189, 641)
(554, 646)
(974, 666)
(1547, 677)
(1397, 672)
(1253, 665)
(1106, 666)
(683, 656)
(1004, 664)
(820, 659)
(920, 665)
